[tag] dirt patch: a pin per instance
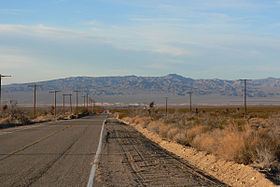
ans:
(130, 159)
(230, 173)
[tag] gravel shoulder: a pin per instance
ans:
(130, 159)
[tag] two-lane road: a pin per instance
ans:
(50, 154)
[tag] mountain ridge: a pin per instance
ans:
(172, 84)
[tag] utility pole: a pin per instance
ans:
(190, 94)
(84, 96)
(166, 100)
(92, 105)
(92, 102)
(71, 108)
(87, 100)
(63, 102)
(2, 76)
(54, 93)
(34, 86)
(70, 100)
(245, 94)
(77, 98)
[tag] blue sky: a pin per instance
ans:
(227, 39)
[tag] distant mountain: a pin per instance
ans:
(171, 84)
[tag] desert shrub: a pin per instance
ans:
(195, 131)
(173, 131)
(163, 129)
(180, 138)
(229, 135)
(16, 116)
(153, 126)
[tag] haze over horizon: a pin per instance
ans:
(225, 39)
(81, 76)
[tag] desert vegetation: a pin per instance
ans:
(13, 115)
(252, 140)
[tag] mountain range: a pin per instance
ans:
(171, 84)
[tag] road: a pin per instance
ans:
(130, 159)
(49, 154)
(64, 154)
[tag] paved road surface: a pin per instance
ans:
(62, 154)
(53, 154)
(130, 159)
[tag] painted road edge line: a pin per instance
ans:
(96, 158)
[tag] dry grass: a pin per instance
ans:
(12, 115)
(225, 133)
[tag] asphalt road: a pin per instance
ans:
(64, 154)
(49, 154)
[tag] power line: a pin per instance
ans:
(2, 76)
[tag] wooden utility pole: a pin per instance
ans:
(63, 102)
(190, 95)
(54, 92)
(2, 76)
(92, 104)
(71, 108)
(34, 86)
(166, 103)
(77, 98)
(84, 101)
(245, 95)
(70, 100)
(87, 99)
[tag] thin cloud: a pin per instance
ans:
(13, 12)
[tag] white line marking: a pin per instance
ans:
(96, 158)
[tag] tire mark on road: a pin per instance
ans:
(33, 143)
(50, 164)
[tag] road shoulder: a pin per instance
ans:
(130, 159)
(231, 173)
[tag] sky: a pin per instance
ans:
(226, 39)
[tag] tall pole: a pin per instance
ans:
(63, 102)
(77, 98)
(71, 109)
(190, 95)
(92, 108)
(54, 93)
(166, 100)
(70, 100)
(84, 101)
(34, 86)
(2, 76)
(245, 95)
(0, 92)
(87, 100)
(35, 100)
